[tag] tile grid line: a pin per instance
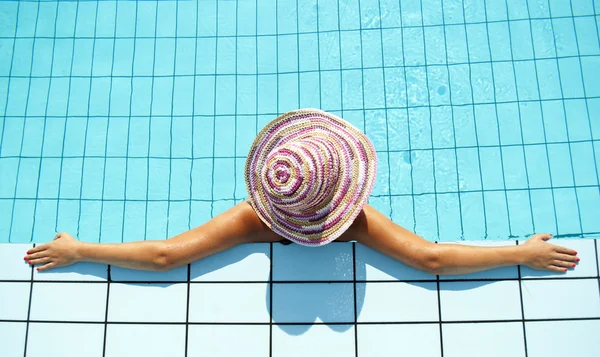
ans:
(10, 71)
(235, 105)
(410, 163)
(489, 47)
(171, 121)
(433, 171)
(319, 56)
(12, 218)
(87, 123)
(522, 308)
(37, 189)
(127, 157)
(597, 262)
(187, 308)
(194, 158)
(587, 109)
(544, 125)
(150, 124)
(270, 282)
(460, 207)
(484, 211)
(62, 148)
(523, 140)
(107, 282)
(355, 306)
(27, 322)
(305, 71)
(112, 67)
(524, 101)
(439, 306)
(374, 28)
(214, 123)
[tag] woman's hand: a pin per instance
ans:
(62, 251)
(539, 254)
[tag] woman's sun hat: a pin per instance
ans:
(308, 175)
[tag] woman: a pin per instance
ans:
(308, 175)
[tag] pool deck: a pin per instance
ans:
(274, 300)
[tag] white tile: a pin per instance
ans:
(473, 300)
(12, 265)
(229, 302)
(65, 340)
(12, 338)
(75, 272)
(316, 340)
(247, 262)
(122, 274)
(297, 262)
(147, 302)
(421, 340)
(484, 339)
(69, 301)
(14, 301)
(216, 340)
(397, 302)
(372, 265)
(544, 299)
(563, 338)
(597, 241)
(585, 268)
(498, 273)
(310, 302)
(145, 340)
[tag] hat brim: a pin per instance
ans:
(358, 161)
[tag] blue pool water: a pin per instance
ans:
(128, 120)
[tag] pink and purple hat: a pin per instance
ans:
(308, 174)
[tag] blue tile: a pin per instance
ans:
(468, 169)
(248, 262)
(148, 340)
(590, 75)
(517, 9)
(49, 178)
(515, 167)
(531, 122)
(564, 303)
(519, 208)
(442, 124)
(126, 18)
(554, 121)
(14, 298)
(185, 56)
(102, 62)
(373, 82)
(95, 141)
(472, 215)
(205, 56)
(460, 88)
(439, 92)
(585, 268)
(392, 47)
(560, 8)
(489, 339)
(215, 340)
(29, 171)
(266, 17)
(547, 338)
(538, 166)
(450, 219)
(453, 12)
(571, 77)
(23, 50)
(498, 273)
(371, 48)
(66, 339)
(583, 164)
(246, 24)
(426, 216)
(58, 97)
(422, 171)
(287, 20)
(589, 198)
(403, 211)
(17, 98)
(549, 79)
(172, 298)
(491, 168)
(12, 338)
(10, 11)
(335, 302)
(578, 119)
(301, 340)
(543, 41)
(331, 95)
(378, 129)
(566, 205)
(468, 301)
(295, 262)
(413, 302)
(527, 87)
(37, 96)
(560, 164)
(496, 215)
(478, 45)
(509, 120)
(413, 42)
(352, 90)
(543, 205)
(221, 303)
(22, 222)
(117, 136)
(445, 171)
(415, 339)
(45, 221)
(68, 302)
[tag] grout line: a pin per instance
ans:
(214, 123)
(28, 321)
(106, 311)
(187, 309)
(439, 301)
(522, 309)
(270, 298)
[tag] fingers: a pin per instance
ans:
(39, 255)
(47, 266)
(557, 269)
(565, 250)
(544, 236)
(40, 261)
(39, 248)
(567, 258)
(563, 264)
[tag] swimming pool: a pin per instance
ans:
(129, 120)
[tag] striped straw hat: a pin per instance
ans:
(309, 174)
